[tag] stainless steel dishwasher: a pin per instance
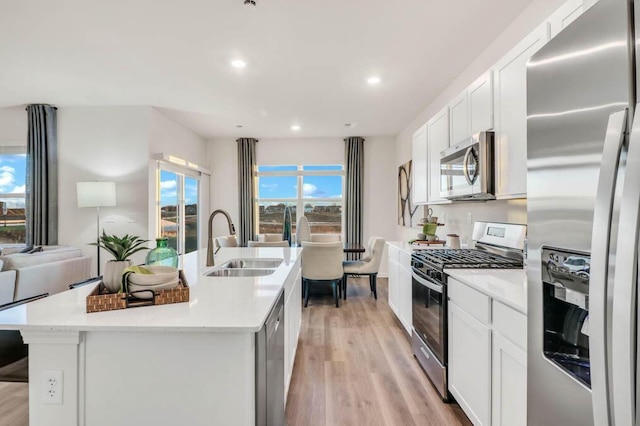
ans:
(270, 368)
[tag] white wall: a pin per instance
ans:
(380, 174)
(456, 214)
(13, 126)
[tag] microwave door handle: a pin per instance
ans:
(465, 165)
(623, 334)
(600, 242)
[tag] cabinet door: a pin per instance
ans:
(510, 97)
(419, 157)
(566, 14)
(404, 298)
(459, 119)
(438, 140)
(470, 365)
(481, 104)
(509, 390)
(394, 286)
(292, 321)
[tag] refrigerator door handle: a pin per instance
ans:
(623, 317)
(600, 242)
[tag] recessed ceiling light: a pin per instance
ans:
(350, 125)
(239, 126)
(295, 127)
(373, 80)
(238, 63)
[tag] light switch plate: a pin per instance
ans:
(131, 218)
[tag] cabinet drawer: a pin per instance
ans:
(471, 301)
(510, 323)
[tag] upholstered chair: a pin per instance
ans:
(322, 262)
(267, 243)
(367, 266)
(227, 241)
(325, 238)
(268, 238)
(303, 231)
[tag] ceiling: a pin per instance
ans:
(307, 60)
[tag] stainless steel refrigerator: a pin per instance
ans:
(583, 188)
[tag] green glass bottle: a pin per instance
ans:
(162, 254)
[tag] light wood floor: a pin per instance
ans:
(14, 409)
(354, 366)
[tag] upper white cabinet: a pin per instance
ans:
(566, 14)
(459, 118)
(472, 110)
(437, 141)
(420, 169)
(481, 104)
(510, 114)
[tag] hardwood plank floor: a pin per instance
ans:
(14, 400)
(354, 366)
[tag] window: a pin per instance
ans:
(311, 191)
(178, 208)
(13, 165)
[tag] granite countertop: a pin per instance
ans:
(508, 286)
(226, 304)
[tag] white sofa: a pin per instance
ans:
(49, 271)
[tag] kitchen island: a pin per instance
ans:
(187, 363)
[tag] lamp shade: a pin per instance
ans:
(96, 194)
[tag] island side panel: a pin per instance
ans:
(169, 378)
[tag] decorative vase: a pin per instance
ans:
(112, 277)
(286, 225)
(162, 254)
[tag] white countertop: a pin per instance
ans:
(508, 286)
(239, 304)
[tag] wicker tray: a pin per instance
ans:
(100, 299)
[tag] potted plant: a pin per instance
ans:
(121, 249)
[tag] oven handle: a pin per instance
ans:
(427, 283)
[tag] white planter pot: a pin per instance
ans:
(112, 277)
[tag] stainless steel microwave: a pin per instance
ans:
(466, 169)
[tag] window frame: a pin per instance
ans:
(15, 150)
(300, 199)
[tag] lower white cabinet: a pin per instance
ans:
(509, 387)
(292, 321)
(400, 285)
(470, 364)
(487, 357)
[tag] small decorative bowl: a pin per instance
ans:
(159, 275)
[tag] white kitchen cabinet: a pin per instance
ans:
(438, 140)
(292, 322)
(509, 387)
(480, 94)
(459, 118)
(400, 285)
(510, 115)
(470, 364)
(566, 14)
(420, 167)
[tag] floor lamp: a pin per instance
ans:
(96, 194)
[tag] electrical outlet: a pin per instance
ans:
(470, 218)
(52, 386)
(131, 217)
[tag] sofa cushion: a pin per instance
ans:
(23, 260)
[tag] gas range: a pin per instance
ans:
(463, 259)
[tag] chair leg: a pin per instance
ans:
(373, 283)
(306, 292)
(344, 287)
(334, 286)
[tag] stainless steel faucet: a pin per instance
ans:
(232, 231)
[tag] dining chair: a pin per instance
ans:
(322, 262)
(368, 266)
(303, 230)
(267, 243)
(268, 238)
(325, 238)
(227, 241)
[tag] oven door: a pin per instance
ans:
(429, 313)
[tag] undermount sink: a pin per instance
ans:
(240, 272)
(251, 263)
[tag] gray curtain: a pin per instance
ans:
(353, 200)
(246, 189)
(42, 176)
